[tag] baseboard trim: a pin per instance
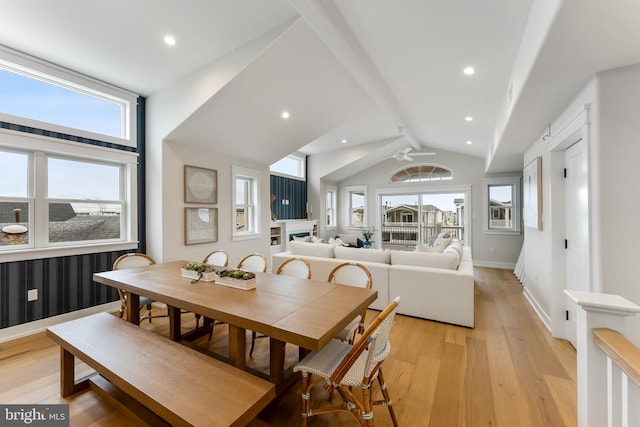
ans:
(30, 328)
(546, 321)
(492, 264)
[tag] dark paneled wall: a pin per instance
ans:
(293, 190)
(65, 284)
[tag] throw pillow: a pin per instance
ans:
(349, 239)
(316, 239)
(426, 248)
(302, 238)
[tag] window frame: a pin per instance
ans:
(332, 193)
(302, 171)
(515, 182)
(38, 246)
(22, 64)
(350, 190)
(253, 177)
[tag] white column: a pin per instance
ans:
(596, 311)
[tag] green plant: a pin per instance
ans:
(199, 268)
(367, 233)
(238, 274)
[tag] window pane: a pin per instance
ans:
(357, 208)
(37, 100)
(241, 217)
(77, 222)
(242, 191)
(14, 216)
(290, 165)
(14, 169)
(500, 206)
(69, 179)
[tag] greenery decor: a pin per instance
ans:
(199, 268)
(367, 233)
(237, 274)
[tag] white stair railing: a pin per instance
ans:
(606, 361)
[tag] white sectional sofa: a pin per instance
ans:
(431, 285)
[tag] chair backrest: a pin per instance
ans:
(132, 260)
(254, 262)
(375, 339)
(351, 273)
(218, 258)
(296, 267)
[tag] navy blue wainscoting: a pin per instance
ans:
(64, 284)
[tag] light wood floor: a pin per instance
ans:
(507, 371)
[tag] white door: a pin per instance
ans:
(577, 227)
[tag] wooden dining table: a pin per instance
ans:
(307, 313)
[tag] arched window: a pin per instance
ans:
(421, 173)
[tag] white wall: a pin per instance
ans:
(544, 249)
(467, 171)
(619, 92)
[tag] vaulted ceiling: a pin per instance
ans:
(351, 70)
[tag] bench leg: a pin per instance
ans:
(68, 384)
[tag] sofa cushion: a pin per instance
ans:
(448, 261)
(311, 249)
(358, 254)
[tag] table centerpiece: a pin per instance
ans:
(199, 272)
(237, 278)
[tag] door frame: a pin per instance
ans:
(573, 131)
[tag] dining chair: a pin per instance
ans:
(255, 262)
(352, 274)
(132, 260)
(219, 258)
(294, 267)
(344, 367)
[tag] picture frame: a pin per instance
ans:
(200, 185)
(533, 194)
(200, 225)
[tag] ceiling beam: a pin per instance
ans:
(323, 17)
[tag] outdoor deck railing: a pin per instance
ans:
(406, 234)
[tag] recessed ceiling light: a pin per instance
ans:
(344, 141)
(285, 115)
(469, 118)
(170, 40)
(469, 71)
(469, 142)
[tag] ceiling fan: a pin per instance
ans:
(404, 154)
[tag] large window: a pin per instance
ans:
(66, 197)
(291, 166)
(43, 96)
(502, 205)
(245, 208)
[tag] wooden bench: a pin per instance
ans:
(178, 384)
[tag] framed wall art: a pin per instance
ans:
(533, 194)
(200, 225)
(200, 185)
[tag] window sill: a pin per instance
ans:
(503, 232)
(248, 236)
(41, 253)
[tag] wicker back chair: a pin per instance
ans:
(296, 267)
(133, 260)
(345, 367)
(256, 263)
(219, 258)
(352, 274)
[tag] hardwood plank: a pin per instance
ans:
(494, 374)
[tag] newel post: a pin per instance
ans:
(596, 311)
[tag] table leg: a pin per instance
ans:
(237, 346)
(133, 308)
(276, 363)
(175, 323)
(67, 373)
